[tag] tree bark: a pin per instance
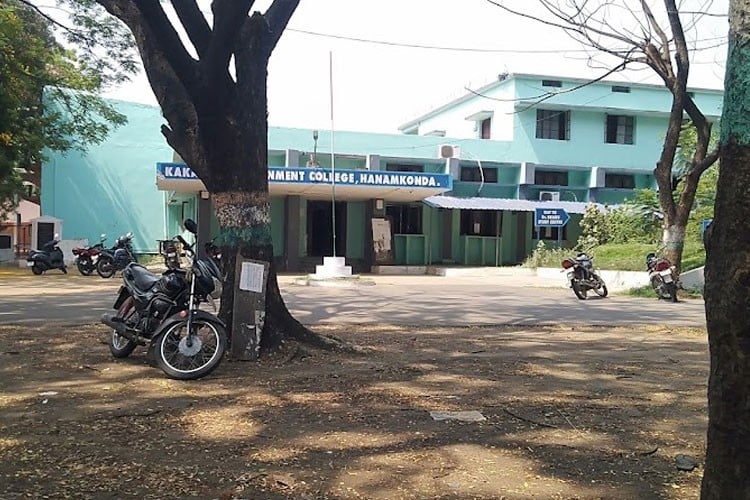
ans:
(727, 467)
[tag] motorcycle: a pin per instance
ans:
(171, 254)
(163, 312)
(49, 257)
(582, 276)
(116, 258)
(213, 252)
(662, 276)
(86, 257)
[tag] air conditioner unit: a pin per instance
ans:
(449, 151)
(549, 196)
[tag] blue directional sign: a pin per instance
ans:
(551, 217)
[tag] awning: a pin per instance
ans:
(479, 203)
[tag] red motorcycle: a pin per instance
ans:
(661, 275)
(86, 257)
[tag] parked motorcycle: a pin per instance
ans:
(163, 312)
(662, 276)
(171, 254)
(116, 258)
(49, 257)
(86, 257)
(583, 277)
(213, 252)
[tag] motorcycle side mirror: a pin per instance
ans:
(191, 226)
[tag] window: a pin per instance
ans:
(620, 129)
(621, 181)
(550, 178)
(480, 223)
(552, 124)
(620, 89)
(405, 219)
(550, 233)
(551, 83)
(485, 127)
(4, 241)
(392, 167)
(473, 174)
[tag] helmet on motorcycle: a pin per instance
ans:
(650, 257)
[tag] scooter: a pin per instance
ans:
(49, 257)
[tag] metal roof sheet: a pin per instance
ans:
(479, 203)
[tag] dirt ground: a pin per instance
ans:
(568, 413)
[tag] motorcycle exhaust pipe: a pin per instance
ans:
(121, 328)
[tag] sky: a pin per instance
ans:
(379, 84)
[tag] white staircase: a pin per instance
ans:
(333, 267)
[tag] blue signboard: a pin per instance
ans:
(551, 217)
(293, 175)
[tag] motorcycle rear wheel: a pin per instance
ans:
(119, 346)
(189, 362)
(672, 291)
(578, 289)
(105, 267)
(37, 269)
(661, 288)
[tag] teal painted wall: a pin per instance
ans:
(277, 227)
(355, 230)
(112, 188)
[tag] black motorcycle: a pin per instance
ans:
(661, 275)
(163, 313)
(582, 276)
(49, 257)
(116, 258)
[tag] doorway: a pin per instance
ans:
(320, 228)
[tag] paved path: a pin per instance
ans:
(410, 300)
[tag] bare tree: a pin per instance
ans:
(215, 105)
(632, 34)
(727, 469)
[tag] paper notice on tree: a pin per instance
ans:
(251, 277)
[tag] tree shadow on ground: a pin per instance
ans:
(570, 413)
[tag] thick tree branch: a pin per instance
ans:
(277, 16)
(194, 23)
(229, 16)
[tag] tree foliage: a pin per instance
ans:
(48, 94)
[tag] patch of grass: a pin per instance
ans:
(648, 293)
(618, 256)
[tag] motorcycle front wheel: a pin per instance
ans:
(188, 357)
(119, 346)
(105, 267)
(601, 290)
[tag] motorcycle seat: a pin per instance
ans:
(140, 277)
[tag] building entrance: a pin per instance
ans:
(320, 228)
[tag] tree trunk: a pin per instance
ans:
(245, 223)
(673, 239)
(727, 468)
